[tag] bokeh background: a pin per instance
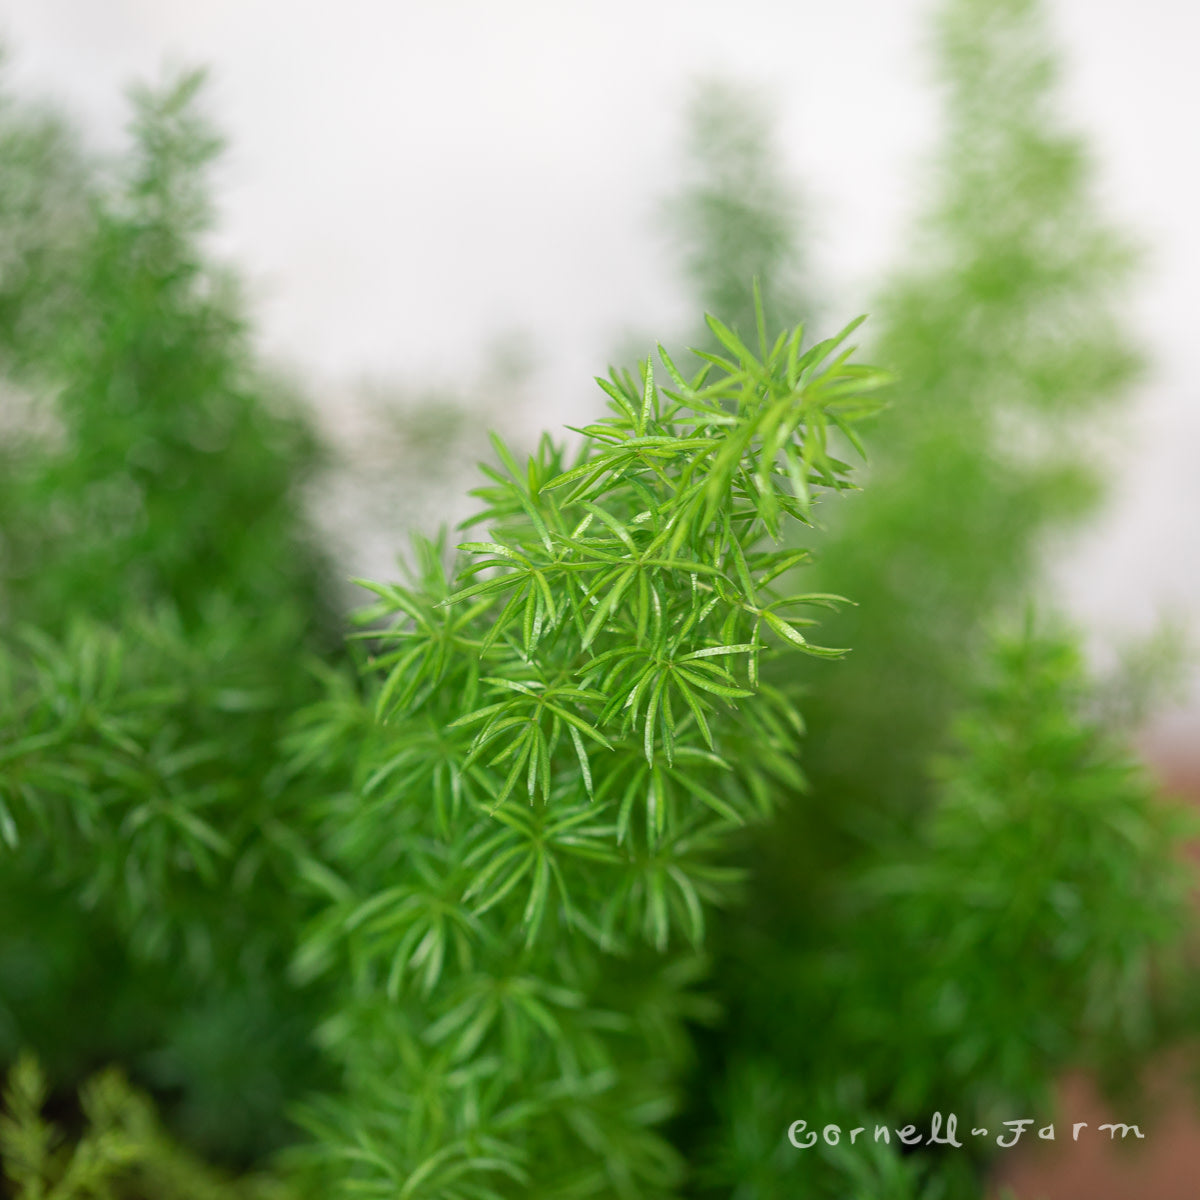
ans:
(424, 196)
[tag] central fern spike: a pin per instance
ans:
(568, 731)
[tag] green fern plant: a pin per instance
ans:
(161, 599)
(493, 866)
(735, 223)
(122, 1153)
(570, 730)
(1003, 327)
(1045, 901)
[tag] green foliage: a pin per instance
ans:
(1048, 856)
(168, 470)
(735, 219)
(569, 733)
(44, 200)
(1029, 924)
(1005, 334)
(142, 791)
(490, 876)
(122, 1152)
(162, 600)
(876, 969)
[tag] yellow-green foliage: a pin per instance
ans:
(119, 1153)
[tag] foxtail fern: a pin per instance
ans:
(570, 728)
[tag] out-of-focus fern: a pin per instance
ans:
(162, 603)
(116, 770)
(45, 196)
(1050, 857)
(121, 1153)
(1029, 925)
(171, 468)
(1006, 338)
(1006, 333)
(736, 219)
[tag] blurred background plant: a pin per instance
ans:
(120, 1151)
(1006, 332)
(162, 597)
(736, 218)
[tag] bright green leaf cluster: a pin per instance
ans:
(571, 730)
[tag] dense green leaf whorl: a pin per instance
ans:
(569, 733)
